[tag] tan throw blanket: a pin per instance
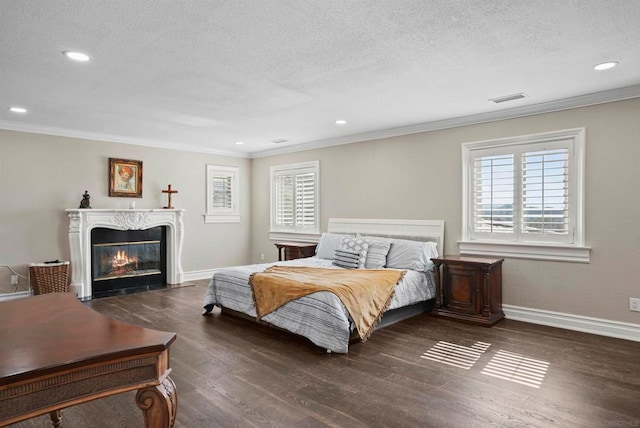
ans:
(365, 293)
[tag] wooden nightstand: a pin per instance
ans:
(295, 250)
(469, 289)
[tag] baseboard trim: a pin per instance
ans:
(199, 274)
(602, 327)
(188, 276)
(11, 296)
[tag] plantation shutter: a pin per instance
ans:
(222, 193)
(545, 192)
(295, 198)
(285, 200)
(493, 194)
(522, 193)
(305, 201)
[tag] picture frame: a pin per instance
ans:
(125, 178)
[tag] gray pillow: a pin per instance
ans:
(329, 243)
(346, 259)
(377, 253)
(414, 255)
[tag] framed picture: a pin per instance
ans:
(125, 178)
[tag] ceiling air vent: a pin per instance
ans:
(279, 141)
(506, 98)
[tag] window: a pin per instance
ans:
(222, 194)
(295, 200)
(524, 197)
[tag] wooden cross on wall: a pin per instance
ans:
(169, 192)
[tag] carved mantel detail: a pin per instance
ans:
(75, 222)
(82, 221)
(134, 220)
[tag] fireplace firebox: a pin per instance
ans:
(127, 261)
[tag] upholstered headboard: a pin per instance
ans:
(422, 230)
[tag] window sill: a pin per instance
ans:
(563, 253)
(294, 236)
(221, 218)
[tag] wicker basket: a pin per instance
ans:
(49, 277)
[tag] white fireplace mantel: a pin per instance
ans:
(82, 221)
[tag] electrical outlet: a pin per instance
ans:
(634, 304)
(14, 279)
(262, 256)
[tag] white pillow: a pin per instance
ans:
(414, 255)
(329, 243)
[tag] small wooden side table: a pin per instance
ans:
(469, 289)
(295, 250)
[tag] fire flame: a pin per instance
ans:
(122, 259)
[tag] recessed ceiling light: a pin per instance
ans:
(17, 109)
(341, 122)
(605, 65)
(239, 143)
(76, 56)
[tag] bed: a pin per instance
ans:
(321, 316)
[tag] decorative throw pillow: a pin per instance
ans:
(377, 253)
(414, 255)
(357, 245)
(329, 243)
(346, 259)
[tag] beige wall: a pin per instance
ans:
(42, 175)
(419, 177)
(415, 176)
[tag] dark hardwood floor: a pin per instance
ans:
(232, 372)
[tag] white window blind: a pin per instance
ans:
(522, 193)
(222, 194)
(493, 194)
(295, 198)
(545, 193)
(528, 191)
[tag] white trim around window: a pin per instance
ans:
(223, 183)
(295, 201)
(523, 197)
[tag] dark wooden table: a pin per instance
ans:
(55, 352)
(295, 250)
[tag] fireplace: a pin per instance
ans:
(88, 280)
(127, 261)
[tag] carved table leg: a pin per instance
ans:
(56, 417)
(159, 404)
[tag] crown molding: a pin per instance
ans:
(96, 136)
(619, 94)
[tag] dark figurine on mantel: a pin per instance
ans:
(86, 200)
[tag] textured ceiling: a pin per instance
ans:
(203, 74)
